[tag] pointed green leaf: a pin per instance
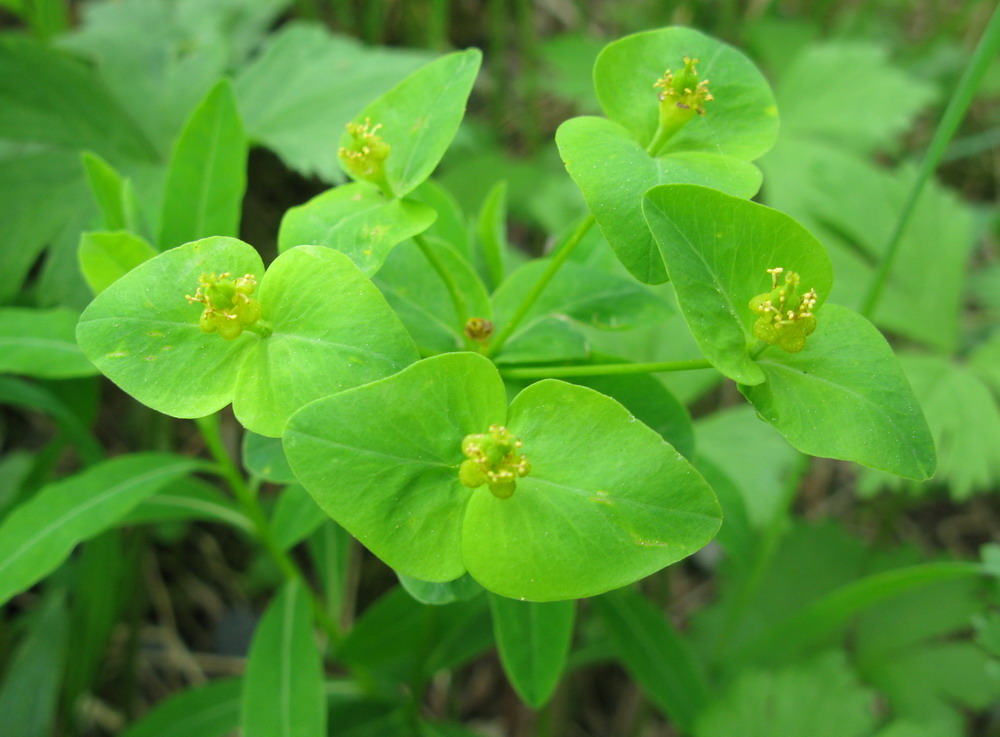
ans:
(207, 174)
(210, 710)
(41, 343)
(742, 120)
(420, 116)
(143, 334)
(391, 482)
(355, 219)
(845, 396)
(109, 192)
(332, 330)
(717, 250)
(283, 687)
(40, 533)
(533, 640)
(105, 257)
(614, 171)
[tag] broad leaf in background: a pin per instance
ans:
(850, 95)
(718, 250)
(207, 173)
(964, 419)
(265, 457)
(41, 343)
(40, 533)
(283, 692)
(29, 694)
(845, 396)
(188, 499)
(105, 257)
(821, 697)
(113, 194)
(655, 654)
(580, 523)
(210, 710)
(576, 292)
(533, 640)
(355, 219)
(420, 116)
(331, 329)
(439, 593)
(295, 517)
(610, 159)
(306, 84)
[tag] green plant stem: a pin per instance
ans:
(965, 91)
(529, 300)
(457, 298)
(247, 499)
(602, 369)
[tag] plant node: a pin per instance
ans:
(492, 459)
(229, 308)
(785, 316)
(365, 156)
(682, 96)
(479, 329)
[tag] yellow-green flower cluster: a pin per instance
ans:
(785, 317)
(229, 308)
(684, 90)
(366, 154)
(492, 459)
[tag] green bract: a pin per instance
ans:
(615, 161)
(323, 328)
(606, 501)
(718, 250)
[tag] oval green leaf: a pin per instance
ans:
(717, 250)
(845, 396)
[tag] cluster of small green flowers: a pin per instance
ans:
(684, 90)
(492, 458)
(366, 155)
(229, 308)
(785, 316)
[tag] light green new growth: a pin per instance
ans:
(229, 308)
(682, 96)
(492, 458)
(366, 155)
(778, 321)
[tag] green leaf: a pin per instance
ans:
(492, 230)
(821, 697)
(305, 85)
(41, 343)
(30, 692)
(657, 656)
(113, 195)
(436, 594)
(717, 250)
(53, 98)
(265, 457)
(296, 516)
(332, 331)
(822, 91)
(210, 710)
(845, 396)
(105, 257)
(742, 120)
(533, 640)
(614, 171)
(577, 292)
(357, 220)
(145, 336)
(420, 117)
(579, 524)
(40, 533)
(283, 692)
(450, 225)
(21, 393)
(207, 174)
(188, 499)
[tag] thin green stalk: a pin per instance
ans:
(437, 25)
(555, 262)
(965, 91)
(457, 298)
(247, 499)
(602, 369)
